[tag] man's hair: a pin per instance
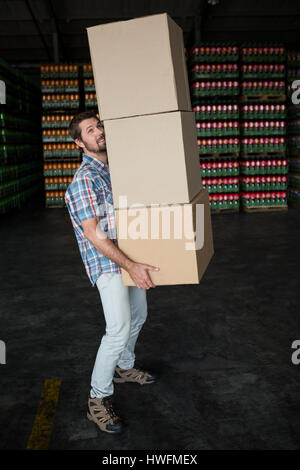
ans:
(74, 129)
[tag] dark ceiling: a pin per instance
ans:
(47, 31)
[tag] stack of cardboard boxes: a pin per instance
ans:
(162, 212)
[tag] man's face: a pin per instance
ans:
(92, 135)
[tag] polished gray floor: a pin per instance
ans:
(222, 349)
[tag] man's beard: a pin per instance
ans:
(97, 148)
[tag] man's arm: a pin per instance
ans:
(137, 271)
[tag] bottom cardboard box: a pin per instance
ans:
(176, 238)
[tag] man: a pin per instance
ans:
(90, 205)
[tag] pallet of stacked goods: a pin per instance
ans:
(293, 75)
(263, 161)
(20, 143)
(214, 78)
(61, 100)
(90, 99)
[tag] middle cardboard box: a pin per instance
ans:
(153, 159)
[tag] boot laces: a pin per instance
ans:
(141, 373)
(107, 402)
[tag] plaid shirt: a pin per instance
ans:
(88, 196)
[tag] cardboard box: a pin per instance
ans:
(153, 159)
(149, 240)
(139, 67)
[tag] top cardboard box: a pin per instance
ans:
(139, 67)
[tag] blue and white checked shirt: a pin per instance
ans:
(88, 196)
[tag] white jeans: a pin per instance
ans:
(125, 311)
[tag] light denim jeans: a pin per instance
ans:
(125, 311)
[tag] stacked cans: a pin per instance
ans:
(60, 101)
(257, 54)
(213, 71)
(293, 73)
(262, 72)
(214, 82)
(90, 100)
(152, 146)
(263, 128)
(214, 53)
(57, 178)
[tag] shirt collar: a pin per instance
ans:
(95, 162)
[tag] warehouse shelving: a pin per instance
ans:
(20, 142)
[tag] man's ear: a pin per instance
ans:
(79, 143)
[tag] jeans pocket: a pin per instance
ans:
(104, 280)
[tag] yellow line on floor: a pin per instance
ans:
(44, 419)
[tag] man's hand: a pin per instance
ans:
(137, 271)
(139, 274)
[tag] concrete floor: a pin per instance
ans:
(222, 348)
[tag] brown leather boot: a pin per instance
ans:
(133, 375)
(101, 412)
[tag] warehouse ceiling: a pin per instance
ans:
(48, 31)
(28, 27)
